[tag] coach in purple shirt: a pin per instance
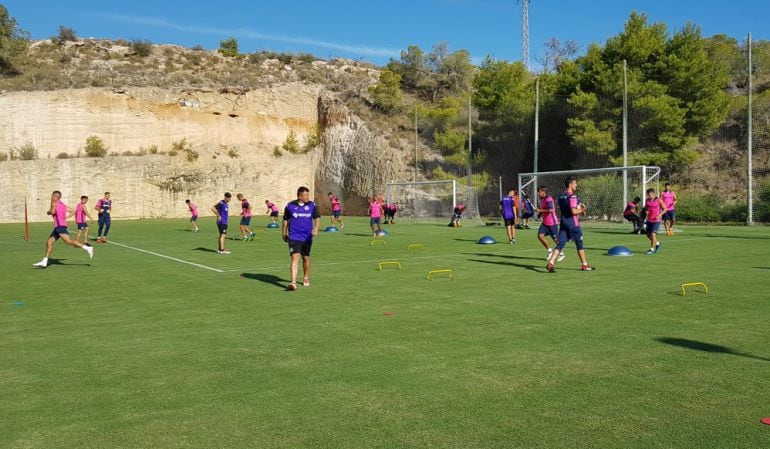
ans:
(300, 223)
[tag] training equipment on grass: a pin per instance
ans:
(604, 191)
(390, 263)
(487, 240)
(621, 251)
(331, 229)
(447, 271)
(388, 313)
(765, 421)
(694, 284)
(382, 233)
(415, 247)
(378, 242)
(272, 225)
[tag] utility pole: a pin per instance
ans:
(525, 33)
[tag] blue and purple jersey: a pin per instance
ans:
(508, 205)
(223, 209)
(300, 218)
(568, 201)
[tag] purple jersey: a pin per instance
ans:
(223, 209)
(508, 205)
(567, 201)
(300, 218)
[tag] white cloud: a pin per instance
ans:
(245, 33)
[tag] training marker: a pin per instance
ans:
(415, 246)
(447, 271)
(378, 242)
(694, 284)
(394, 263)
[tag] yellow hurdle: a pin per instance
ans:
(447, 271)
(415, 246)
(694, 284)
(394, 263)
(378, 242)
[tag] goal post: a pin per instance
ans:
(423, 199)
(605, 191)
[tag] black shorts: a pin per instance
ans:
(300, 247)
(510, 221)
(222, 228)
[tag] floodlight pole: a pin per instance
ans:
(625, 132)
(537, 123)
(750, 190)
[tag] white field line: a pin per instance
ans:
(354, 262)
(167, 257)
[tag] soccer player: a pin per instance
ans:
(390, 213)
(221, 210)
(508, 208)
(245, 218)
(104, 208)
(300, 223)
(527, 210)
(81, 212)
(193, 215)
(548, 227)
(570, 207)
(375, 215)
(631, 213)
(457, 214)
(669, 217)
(59, 211)
(272, 209)
(336, 210)
(655, 208)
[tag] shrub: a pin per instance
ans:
(233, 153)
(313, 139)
(173, 153)
(27, 152)
(699, 208)
(180, 145)
(63, 155)
(152, 149)
(141, 47)
(192, 155)
(198, 47)
(762, 208)
(228, 47)
(66, 34)
(277, 151)
(291, 144)
(3, 157)
(95, 147)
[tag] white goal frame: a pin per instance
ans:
(389, 188)
(650, 175)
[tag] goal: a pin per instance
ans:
(604, 191)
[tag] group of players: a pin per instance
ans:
(645, 219)
(60, 213)
(301, 220)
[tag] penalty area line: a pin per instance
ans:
(166, 257)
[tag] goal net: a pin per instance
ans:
(432, 199)
(604, 191)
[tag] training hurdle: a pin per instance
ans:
(415, 247)
(386, 263)
(378, 242)
(447, 271)
(694, 284)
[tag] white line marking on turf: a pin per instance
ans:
(167, 257)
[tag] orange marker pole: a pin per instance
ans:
(26, 221)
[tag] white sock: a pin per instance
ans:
(45, 260)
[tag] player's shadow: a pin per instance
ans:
(358, 234)
(707, 347)
(503, 256)
(509, 264)
(59, 262)
(465, 240)
(266, 278)
(204, 249)
(743, 237)
(761, 268)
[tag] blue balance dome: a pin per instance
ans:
(331, 229)
(382, 233)
(272, 225)
(487, 240)
(619, 251)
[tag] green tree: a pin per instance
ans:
(95, 147)
(13, 43)
(228, 47)
(386, 95)
(291, 144)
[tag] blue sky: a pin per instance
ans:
(376, 30)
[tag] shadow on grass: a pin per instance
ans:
(531, 267)
(505, 256)
(267, 279)
(468, 240)
(706, 347)
(742, 237)
(59, 262)
(204, 249)
(761, 268)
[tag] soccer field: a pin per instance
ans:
(159, 342)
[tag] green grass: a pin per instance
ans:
(131, 350)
